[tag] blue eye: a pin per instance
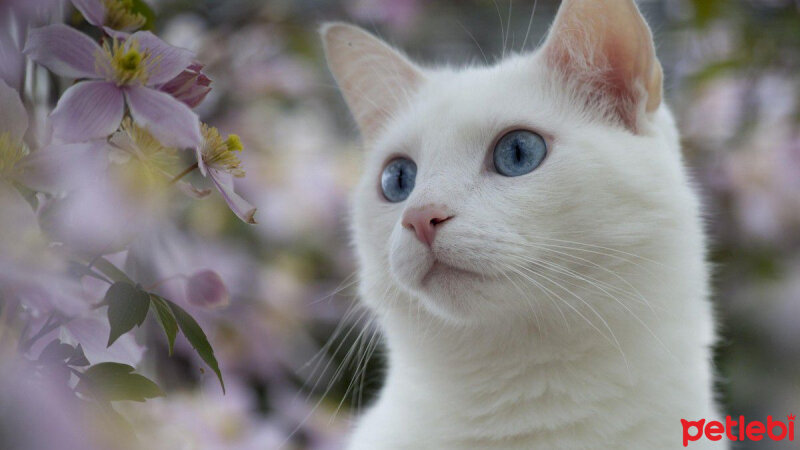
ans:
(397, 179)
(519, 152)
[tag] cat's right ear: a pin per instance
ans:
(606, 48)
(375, 79)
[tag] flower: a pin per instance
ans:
(13, 125)
(140, 143)
(92, 330)
(59, 168)
(190, 86)
(20, 238)
(83, 219)
(110, 205)
(155, 158)
(164, 259)
(46, 293)
(120, 72)
(210, 421)
(11, 61)
(206, 288)
(33, 409)
(50, 169)
(41, 288)
(17, 215)
(98, 219)
(112, 14)
(217, 159)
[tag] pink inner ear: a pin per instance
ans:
(366, 69)
(605, 48)
(602, 85)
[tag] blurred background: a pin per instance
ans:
(298, 358)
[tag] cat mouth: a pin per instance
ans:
(440, 269)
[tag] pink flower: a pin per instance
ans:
(119, 73)
(12, 62)
(59, 168)
(217, 159)
(55, 168)
(111, 14)
(206, 288)
(190, 86)
(98, 218)
(13, 125)
(41, 289)
(41, 411)
(91, 331)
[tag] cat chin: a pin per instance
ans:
(452, 293)
(463, 302)
(446, 274)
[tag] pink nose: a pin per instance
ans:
(423, 221)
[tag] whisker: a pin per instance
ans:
(530, 304)
(622, 304)
(485, 59)
(508, 26)
(330, 361)
(600, 247)
(530, 22)
(641, 297)
(502, 27)
(328, 388)
(634, 295)
(591, 308)
(547, 293)
(344, 284)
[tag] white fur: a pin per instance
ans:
(588, 324)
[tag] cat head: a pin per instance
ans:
(480, 180)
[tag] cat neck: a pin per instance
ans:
(476, 356)
(521, 381)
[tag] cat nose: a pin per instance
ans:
(424, 220)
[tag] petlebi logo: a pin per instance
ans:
(738, 430)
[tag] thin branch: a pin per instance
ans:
(184, 173)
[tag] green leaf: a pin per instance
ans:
(165, 318)
(195, 335)
(114, 381)
(127, 308)
(56, 351)
(145, 10)
(110, 270)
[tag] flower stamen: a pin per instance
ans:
(221, 154)
(11, 152)
(128, 64)
(121, 15)
(139, 142)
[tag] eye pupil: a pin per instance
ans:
(397, 179)
(519, 152)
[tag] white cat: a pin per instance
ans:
(530, 243)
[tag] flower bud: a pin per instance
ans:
(206, 288)
(190, 86)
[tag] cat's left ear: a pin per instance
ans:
(376, 80)
(605, 48)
